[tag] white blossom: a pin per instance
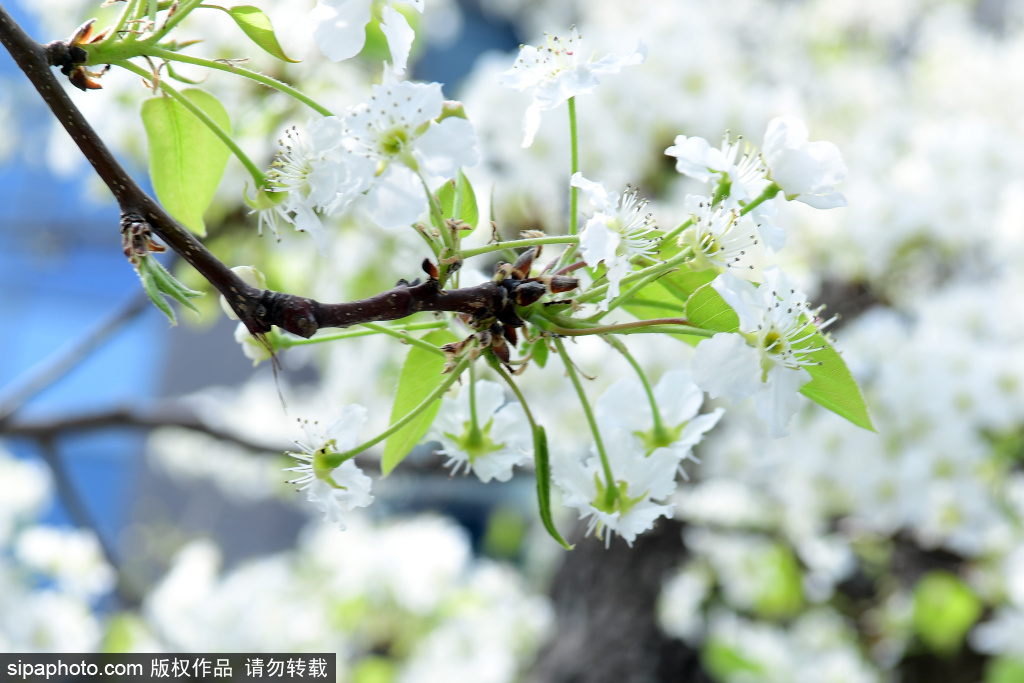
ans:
(642, 483)
(625, 406)
(719, 238)
(615, 233)
(806, 171)
(558, 71)
(501, 440)
(767, 358)
(343, 488)
(398, 125)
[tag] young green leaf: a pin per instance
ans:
(420, 375)
(461, 188)
(186, 159)
(257, 26)
(159, 283)
(543, 467)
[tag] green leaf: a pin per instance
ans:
(257, 26)
(944, 610)
(543, 467)
(706, 308)
(467, 210)
(186, 158)
(421, 374)
(831, 386)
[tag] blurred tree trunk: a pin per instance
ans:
(606, 630)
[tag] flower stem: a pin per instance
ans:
(575, 165)
(518, 244)
(659, 268)
(674, 232)
(372, 328)
(769, 193)
(246, 73)
(257, 175)
(335, 459)
(612, 492)
(496, 366)
(659, 426)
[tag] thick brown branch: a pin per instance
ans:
(258, 309)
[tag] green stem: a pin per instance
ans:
(630, 293)
(612, 492)
(769, 193)
(257, 175)
(659, 427)
(475, 435)
(115, 31)
(170, 55)
(676, 231)
(496, 366)
(335, 459)
(665, 266)
(179, 16)
(405, 337)
(677, 325)
(574, 152)
(288, 342)
(518, 244)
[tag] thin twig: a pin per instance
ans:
(67, 358)
(80, 514)
(163, 415)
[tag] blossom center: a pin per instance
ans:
(476, 442)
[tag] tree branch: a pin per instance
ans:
(258, 309)
(66, 359)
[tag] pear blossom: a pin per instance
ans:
(343, 488)
(339, 29)
(502, 438)
(642, 482)
(311, 170)
(398, 125)
(740, 171)
(625, 406)
(767, 358)
(558, 71)
(719, 237)
(615, 233)
(806, 171)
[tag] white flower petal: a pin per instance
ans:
(339, 27)
(397, 199)
(599, 242)
(727, 366)
(446, 147)
(778, 399)
(595, 192)
(399, 35)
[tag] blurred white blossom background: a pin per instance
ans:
(832, 554)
